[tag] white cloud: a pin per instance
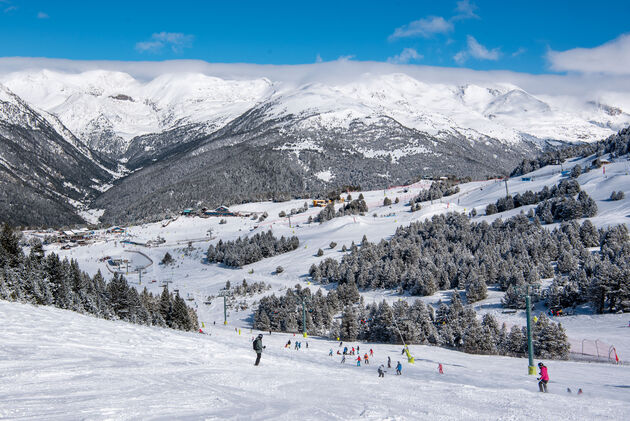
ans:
(407, 55)
(425, 27)
(10, 9)
(518, 52)
(42, 15)
(476, 50)
(461, 57)
(465, 10)
(176, 41)
(587, 86)
(346, 58)
(612, 57)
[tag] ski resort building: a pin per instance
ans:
(221, 211)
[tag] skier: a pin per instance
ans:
(544, 378)
(403, 352)
(343, 359)
(440, 370)
(296, 345)
(358, 349)
(365, 357)
(359, 361)
(288, 345)
(580, 391)
(340, 343)
(371, 352)
(306, 344)
(399, 369)
(381, 371)
(389, 362)
(330, 353)
(345, 350)
(352, 353)
(258, 347)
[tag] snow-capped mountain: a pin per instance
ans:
(108, 109)
(188, 135)
(44, 169)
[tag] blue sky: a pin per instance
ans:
(527, 36)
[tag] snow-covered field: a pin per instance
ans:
(59, 365)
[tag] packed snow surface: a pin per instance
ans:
(59, 365)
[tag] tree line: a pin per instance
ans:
(449, 251)
(354, 207)
(454, 326)
(48, 280)
(244, 251)
(616, 145)
(555, 204)
(437, 190)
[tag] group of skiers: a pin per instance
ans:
(543, 378)
(297, 345)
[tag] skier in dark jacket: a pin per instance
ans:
(389, 362)
(258, 347)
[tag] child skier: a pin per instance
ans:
(544, 378)
(371, 352)
(389, 362)
(359, 361)
(381, 371)
(330, 353)
(343, 359)
(399, 369)
(365, 357)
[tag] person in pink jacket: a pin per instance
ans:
(544, 378)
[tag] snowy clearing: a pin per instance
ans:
(59, 365)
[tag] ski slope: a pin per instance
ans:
(59, 365)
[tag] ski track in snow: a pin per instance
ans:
(59, 365)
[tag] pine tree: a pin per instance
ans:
(349, 324)
(477, 290)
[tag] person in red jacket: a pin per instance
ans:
(359, 361)
(544, 378)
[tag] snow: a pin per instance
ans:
(190, 273)
(325, 175)
(59, 365)
(99, 101)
